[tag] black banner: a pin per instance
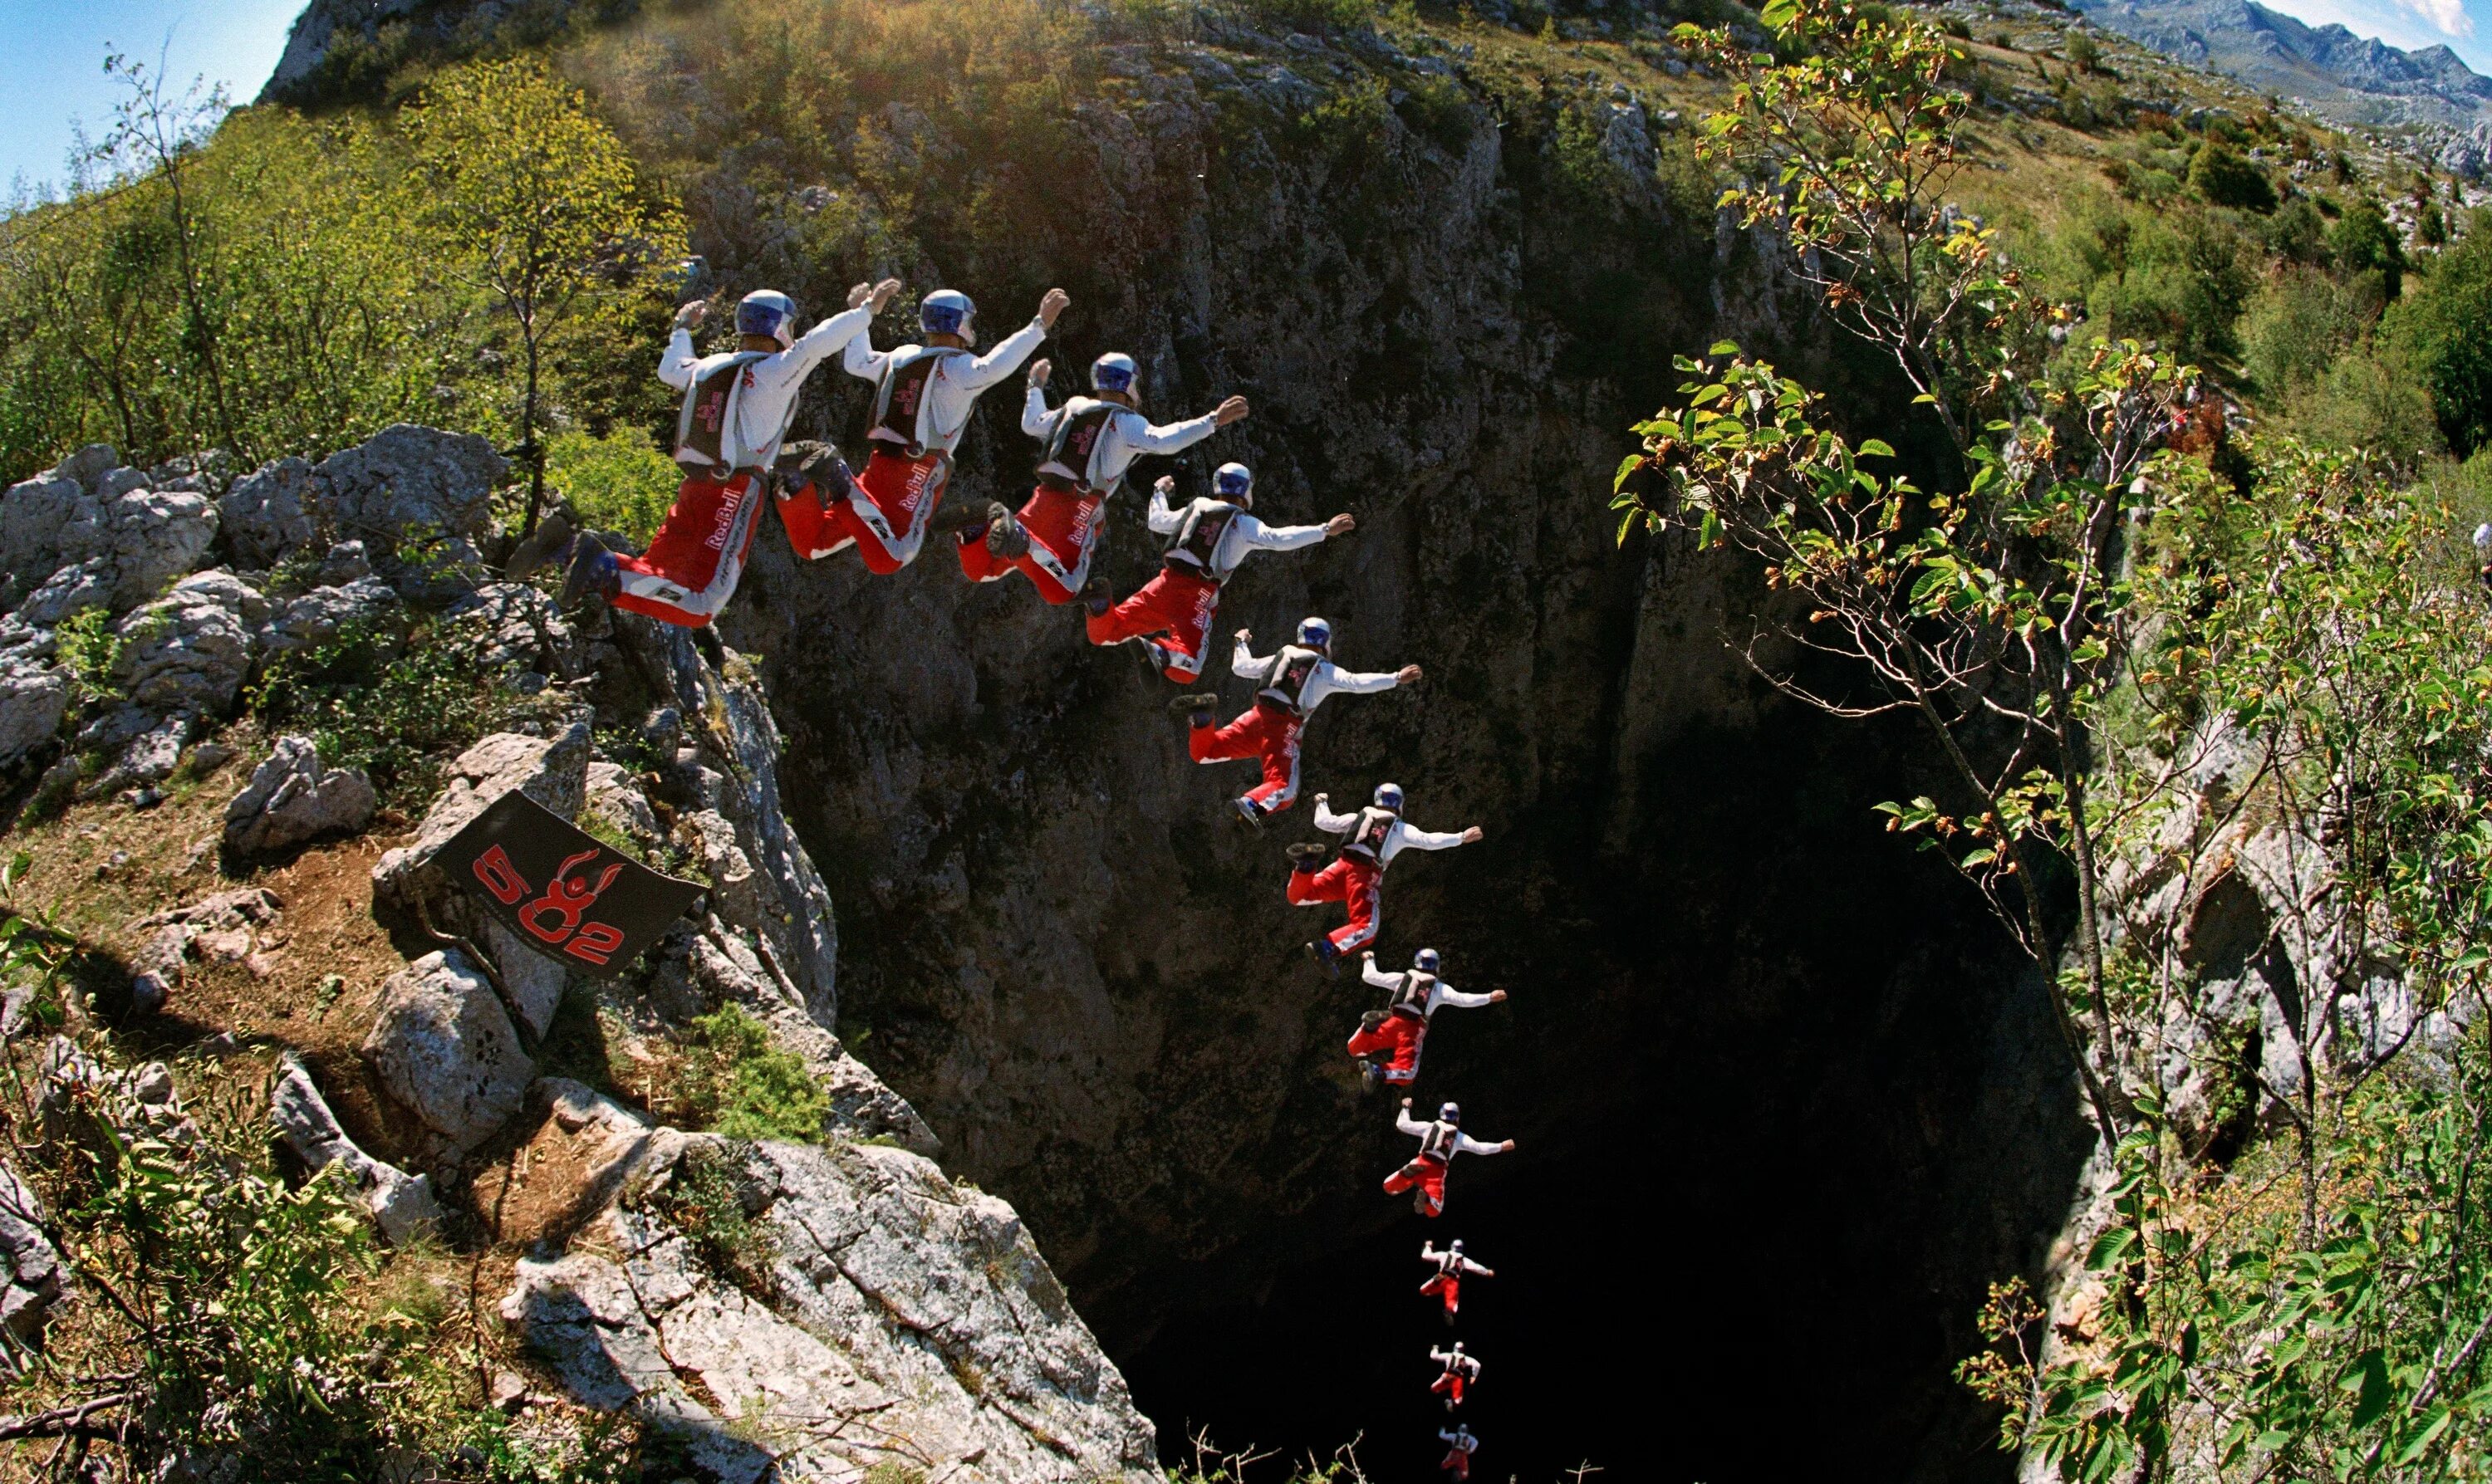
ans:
(567, 895)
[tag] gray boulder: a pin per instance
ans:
(30, 1265)
(34, 700)
(291, 799)
(190, 650)
(443, 1047)
(514, 628)
(402, 1205)
(419, 499)
(890, 1292)
(267, 516)
(155, 536)
(317, 617)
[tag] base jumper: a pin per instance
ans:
(1088, 443)
(1451, 1266)
(1295, 680)
(922, 397)
(1461, 1373)
(1171, 614)
(1438, 1143)
(737, 405)
(1389, 1040)
(1459, 1445)
(1375, 835)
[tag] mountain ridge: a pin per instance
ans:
(2346, 77)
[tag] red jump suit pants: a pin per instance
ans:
(1351, 880)
(1063, 529)
(1429, 1174)
(1450, 1386)
(1179, 605)
(1397, 1041)
(1268, 732)
(884, 518)
(1450, 1285)
(697, 558)
(1459, 1460)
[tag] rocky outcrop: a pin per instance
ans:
(401, 1204)
(443, 1045)
(291, 800)
(867, 1312)
(92, 534)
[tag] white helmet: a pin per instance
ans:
(767, 312)
(1315, 633)
(1389, 796)
(1425, 961)
(1113, 372)
(948, 311)
(1451, 1112)
(1234, 482)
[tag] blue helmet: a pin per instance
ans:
(1234, 481)
(1425, 961)
(1389, 796)
(1314, 633)
(1113, 372)
(946, 312)
(767, 312)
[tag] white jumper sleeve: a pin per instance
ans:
(1403, 1121)
(1426, 840)
(1464, 1143)
(1168, 437)
(1379, 977)
(1332, 823)
(1351, 682)
(1259, 537)
(1164, 519)
(677, 366)
(1002, 361)
(1246, 667)
(1035, 417)
(1447, 994)
(778, 376)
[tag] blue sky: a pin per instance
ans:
(55, 67)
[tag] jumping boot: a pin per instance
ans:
(1450, 1319)
(591, 574)
(1094, 597)
(1197, 706)
(1247, 813)
(1419, 1204)
(1007, 539)
(968, 522)
(1370, 1020)
(1371, 1076)
(1322, 951)
(552, 535)
(1303, 854)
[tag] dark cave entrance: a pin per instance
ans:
(1822, 1122)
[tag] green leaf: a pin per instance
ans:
(1874, 448)
(2105, 1254)
(1724, 348)
(2370, 1374)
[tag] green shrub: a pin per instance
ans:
(705, 1199)
(2223, 176)
(392, 718)
(737, 1081)
(2363, 241)
(2445, 327)
(2298, 323)
(1440, 110)
(617, 483)
(1319, 16)
(90, 649)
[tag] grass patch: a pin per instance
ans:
(739, 1082)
